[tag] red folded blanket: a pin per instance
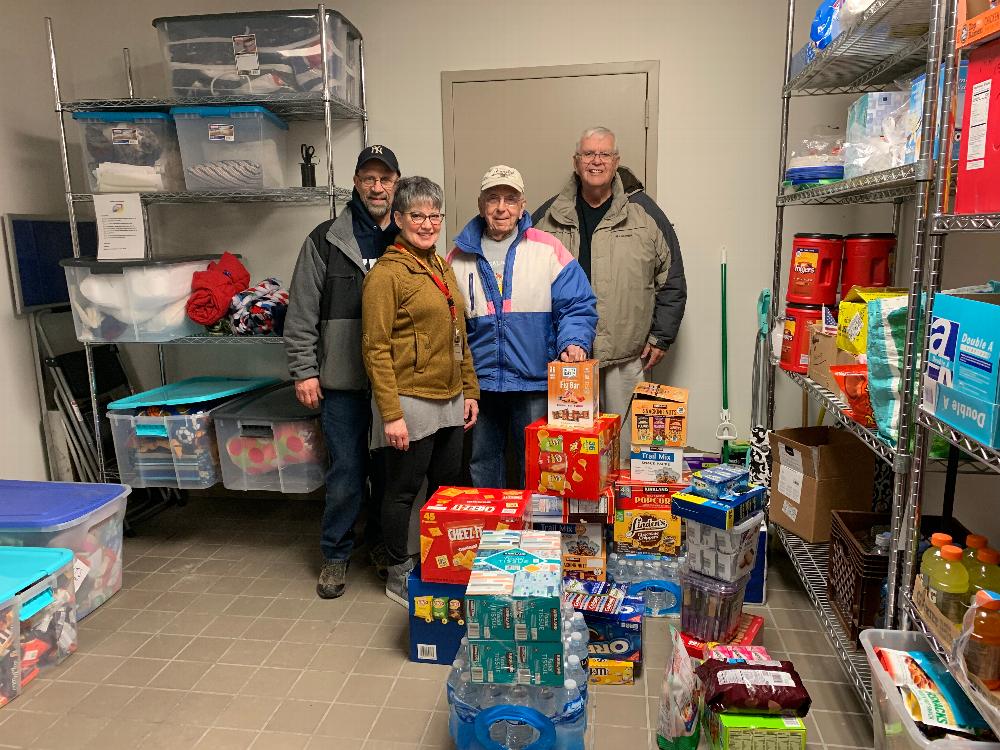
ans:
(212, 290)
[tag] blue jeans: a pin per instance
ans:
(347, 419)
(498, 414)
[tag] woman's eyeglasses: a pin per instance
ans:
(418, 219)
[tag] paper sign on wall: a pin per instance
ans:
(121, 229)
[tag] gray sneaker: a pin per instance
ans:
(379, 557)
(332, 579)
(396, 586)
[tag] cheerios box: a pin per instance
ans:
(577, 463)
(452, 521)
(574, 393)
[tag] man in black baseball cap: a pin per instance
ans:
(323, 348)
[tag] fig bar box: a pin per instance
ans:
(644, 518)
(452, 521)
(576, 463)
(659, 416)
(574, 393)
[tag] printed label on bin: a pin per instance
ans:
(245, 54)
(221, 131)
(754, 677)
(790, 483)
(80, 571)
(125, 136)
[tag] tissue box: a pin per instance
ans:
(583, 552)
(574, 393)
(738, 731)
(577, 463)
(659, 416)
(657, 465)
(437, 620)
(724, 513)
(511, 662)
(852, 317)
(452, 521)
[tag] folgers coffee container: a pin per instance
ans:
(867, 261)
(795, 338)
(815, 269)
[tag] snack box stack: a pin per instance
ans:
(614, 620)
(658, 432)
(582, 525)
(513, 614)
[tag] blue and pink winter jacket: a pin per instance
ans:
(547, 304)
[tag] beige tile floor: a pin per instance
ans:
(218, 641)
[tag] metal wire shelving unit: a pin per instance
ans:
(318, 106)
(892, 38)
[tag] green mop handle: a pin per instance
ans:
(725, 355)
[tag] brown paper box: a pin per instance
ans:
(823, 353)
(816, 470)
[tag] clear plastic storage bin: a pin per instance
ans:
(165, 437)
(132, 300)
(130, 152)
(891, 722)
(37, 615)
(231, 148)
(727, 555)
(711, 609)
(269, 441)
(263, 52)
(86, 518)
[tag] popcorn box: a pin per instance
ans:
(657, 465)
(576, 463)
(724, 513)
(514, 663)
(452, 522)
(659, 416)
(720, 480)
(553, 509)
(574, 393)
(644, 517)
(611, 672)
(583, 552)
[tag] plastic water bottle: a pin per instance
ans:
(492, 695)
(575, 671)
(580, 626)
(518, 734)
(577, 647)
(547, 701)
(463, 705)
(455, 675)
(463, 649)
(571, 723)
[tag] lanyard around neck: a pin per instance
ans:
(439, 281)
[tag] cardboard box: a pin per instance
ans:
(975, 417)
(740, 731)
(666, 465)
(756, 592)
(852, 317)
(964, 348)
(516, 663)
(659, 416)
(552, 509)
(611, 672)
(823, 353)
(617, 635)
(578, 463)
(979, 22)
(437, 620)
(748, 629)
(644, 518)
(583, 551)
(724, 513)
(574, 393)
(452, 521)
(816, 470)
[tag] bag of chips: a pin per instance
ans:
(853, 381)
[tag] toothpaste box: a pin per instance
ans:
(611, 672)
(724, 513)
(583, 552)
(644, 518)
(574, 393)
(665, 465)
(577, 463)
(720, 480)
(617, 635)
(975, 417)
(659, 416)
(452, 522)
(554, 509)
(964, 346)
(512, 662)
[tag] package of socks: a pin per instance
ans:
(37, 614)
(256, 53)
(269, 441)
(231, 148)
(121, 301)
(85, 518)
(130, 152)
(165, 437)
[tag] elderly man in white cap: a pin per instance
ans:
(527, 303)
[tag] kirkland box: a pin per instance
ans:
(964, 347)
(37, 614)
(452, 521)
(665, 465)
(85, 518)
(738, 731)
(437, 620)
(269, 441)
(552, 509)
(263, 52)
(516, 662)
(644, 518)
(120, 301)
(574, 393)
(816, 470)
(578, 462)
(659, 416)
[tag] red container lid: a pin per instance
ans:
(871, 236)
(815, 236)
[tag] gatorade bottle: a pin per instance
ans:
(949, 584)
(931, 555)
(973, 543)
(982, 654)
(984, 574)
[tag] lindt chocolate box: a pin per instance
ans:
(576, 463)
(452, 521)
(574, 393)
(644, 518)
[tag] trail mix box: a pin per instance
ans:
(644, 518)
(576, 463)
(583, 552)
(554, 509)
(574, 393)
(659, 416)
(665, 465)
(452, 521)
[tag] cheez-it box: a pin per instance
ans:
(576, 463)
(452, 521)
(659, 416)
(574, 393)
